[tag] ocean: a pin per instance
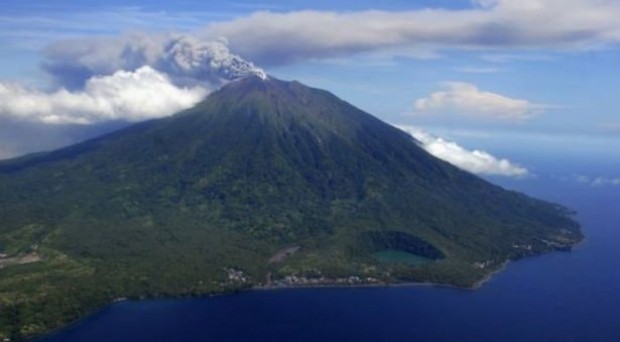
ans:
(554, 297)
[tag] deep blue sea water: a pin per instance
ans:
(555, 297)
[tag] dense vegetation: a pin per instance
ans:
(198, 203)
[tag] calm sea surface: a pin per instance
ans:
(556, 297)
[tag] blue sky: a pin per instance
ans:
(496, 75)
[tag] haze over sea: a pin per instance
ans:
(555, 297)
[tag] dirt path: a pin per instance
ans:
(282, 254)
(19, 260)
(279, 257)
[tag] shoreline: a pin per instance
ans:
(490, 276)
(325, 285)
(339, 285)
(334, 284)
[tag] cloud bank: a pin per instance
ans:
(87, 72)
(597, 181)
(204, 59)
(478, 162)
(276, 38)
(132, 77)
(466, 99)
(131, 96)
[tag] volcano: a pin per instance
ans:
(264, 183)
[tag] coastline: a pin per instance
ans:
(337, 283)
(326, 284)
(489, 276)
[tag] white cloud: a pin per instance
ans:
(466, 99)
(277, 37)
(485, 3)
(476, 161)
(477, 70)
(507, 58)
(137, 76)
(274, 38)
(185, 59)
(106, 81)
(131, 96)
(597, 181)
(132, 77)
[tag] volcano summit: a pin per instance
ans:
(264, 183)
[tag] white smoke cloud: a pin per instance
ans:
(188, 57)
(270, 38)
(464, 98)
(85, 71)
(476, 161)
(204, 59)
(186, 60)
(129, 78)
(125, 95)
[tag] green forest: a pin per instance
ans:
(198, 203)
